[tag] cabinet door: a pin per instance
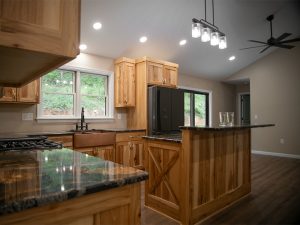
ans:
(129, 84)
(105, 152)
(123, 153)
(124, 84)
(9, 94)
(41, 25)
(29, 93)
(170, 76)
(137, 154)
(154, 73)
(130, 154)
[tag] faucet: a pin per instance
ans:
(83, 124)
(82, 118)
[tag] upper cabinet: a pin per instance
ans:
(36, 36)
(27, 94)
(160, 72)
(125, 82)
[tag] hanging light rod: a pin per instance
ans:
(208, 31)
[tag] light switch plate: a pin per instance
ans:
(119, 115)
(27, 116)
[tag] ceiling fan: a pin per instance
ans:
(274, 42)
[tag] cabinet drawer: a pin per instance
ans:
(66, 140)
(130, 136)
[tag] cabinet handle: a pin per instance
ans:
(125, 101)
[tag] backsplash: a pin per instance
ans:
(11, 121)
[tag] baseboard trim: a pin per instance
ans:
(275, 154)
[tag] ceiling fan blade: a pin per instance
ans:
(258, 42)
(284, 46)
(291, 40)
(283, 36)
(253, 47)
(264, 49)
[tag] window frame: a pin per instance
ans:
(77, 97)
(208, 95)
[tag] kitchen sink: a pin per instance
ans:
(84, 139)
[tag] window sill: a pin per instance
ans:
(75, 120)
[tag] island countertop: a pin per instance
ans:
(220, 128)
(34, 178)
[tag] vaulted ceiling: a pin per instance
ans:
(166, 22)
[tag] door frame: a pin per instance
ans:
(239, 96)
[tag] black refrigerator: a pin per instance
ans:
(165, 110)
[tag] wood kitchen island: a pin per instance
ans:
(66, 187)
(197, 173)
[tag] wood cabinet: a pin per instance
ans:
(65, 140)
(160, 72)
(29, 93)
(103, 152)
(149, 71)
(130, 149)
(125, 82)
(36, 37)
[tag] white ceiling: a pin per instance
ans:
(166, 22)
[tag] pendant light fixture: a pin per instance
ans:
(207, 31)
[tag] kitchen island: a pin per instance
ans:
(197, 173)
(62, 186)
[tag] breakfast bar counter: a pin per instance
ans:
(62, 186)
(207, 170)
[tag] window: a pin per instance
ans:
(64, 92)
(196, 108)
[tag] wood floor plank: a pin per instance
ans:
(274, 199)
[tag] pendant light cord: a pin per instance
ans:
(213, 12)
(205, 9)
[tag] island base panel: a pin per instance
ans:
(120, 205)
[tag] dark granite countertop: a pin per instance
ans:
(57, 133)
(165, 137)
(34, 178)
(220, 128)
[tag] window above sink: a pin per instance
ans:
(66, 90)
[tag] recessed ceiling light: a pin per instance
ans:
(143, 39)
(97, 26)
(231, 58)
(182, 42)
(82, 47)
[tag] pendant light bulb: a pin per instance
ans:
(205, 34)
(222, 42)
(196, 30)
(214, 38)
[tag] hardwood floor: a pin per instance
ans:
(274, 199)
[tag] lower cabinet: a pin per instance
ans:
(130, 149)
(65, 140)
(130, 154)
(103, 152)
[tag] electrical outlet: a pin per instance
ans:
(119, 115)
(256, 116)
(27, 116)
(282, 141)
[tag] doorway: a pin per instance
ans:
(244, 109)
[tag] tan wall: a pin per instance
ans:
(275, 88)
(11, 114)
(223, 99)
(223, 95)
